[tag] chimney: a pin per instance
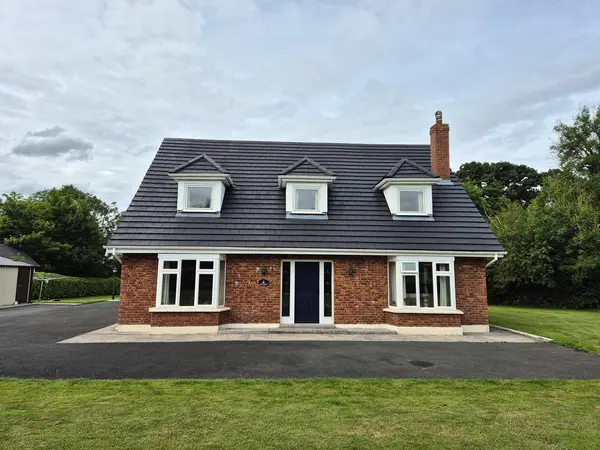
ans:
(440, 147)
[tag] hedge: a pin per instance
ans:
(74, 287)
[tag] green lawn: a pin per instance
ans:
(577, 329)
(290, 414)
(97, 299)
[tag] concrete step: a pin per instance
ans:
(307, 330)
(329, 330)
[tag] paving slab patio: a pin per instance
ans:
(109, 335)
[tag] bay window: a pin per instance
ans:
(191, 281)
(421, 282)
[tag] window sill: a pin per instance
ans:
(423, 311)
(188, 309)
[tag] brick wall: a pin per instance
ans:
(161, 319)
(138, 288)
(471, 290)
(250, 302)
(422, 320)
(358, 298)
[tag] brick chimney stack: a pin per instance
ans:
(439, 134)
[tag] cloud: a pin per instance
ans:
(48, 132)
(118, 76)
(53, 145)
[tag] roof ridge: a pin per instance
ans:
(204, 156)
(328, 143)
(309, 161)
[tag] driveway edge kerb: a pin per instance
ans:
(523, 333)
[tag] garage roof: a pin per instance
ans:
(11, 257)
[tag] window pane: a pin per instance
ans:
(328, 294)
(409, 267)
(188, 272)
(169, 289)
(222, 283)
(411, 201)
(285, 290)
(443, 287)
(206, 264)
(205, 289)
(392, 283)
(426, 284)
(306, 199)
(443, 267)
(199, 197)
(409, 290)
(170, 265)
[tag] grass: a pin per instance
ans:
(290, 414)
(97, 299)
(577, 329)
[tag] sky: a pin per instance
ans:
(88, 89)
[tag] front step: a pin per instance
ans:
(328, 330)
(308, 330)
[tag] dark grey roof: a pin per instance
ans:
(200, 164)
(11, 257)
(253, 214)
(405, 168)
(306, 166)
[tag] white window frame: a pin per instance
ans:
(185, 188)
(290, 194)
(289, 320)
(427, 200)
(215, 272)
(436, 273)
(314, 189)
(189, 186)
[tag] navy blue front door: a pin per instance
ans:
(306, 292)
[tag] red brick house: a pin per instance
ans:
(263, 234)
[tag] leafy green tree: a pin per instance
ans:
(554, 245)
(493, 186)
(577, 146)
(63, 229)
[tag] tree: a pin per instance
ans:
(554, 245)
(493, 186)
(577, 146)
(63, 229)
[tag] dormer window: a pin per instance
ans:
(201, 185)
(306, 183)
(306, 199)
(411, 202)
(199, 197)
(408, 190)
(414, 200)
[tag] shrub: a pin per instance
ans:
(72, 287)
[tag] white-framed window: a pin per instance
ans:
(421, 283)
(199, 197)
(413, 201)
(306, 198)
(191, 281)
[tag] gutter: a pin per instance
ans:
(496, 258)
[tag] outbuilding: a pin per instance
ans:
(16, 276)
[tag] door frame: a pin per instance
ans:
(290, 320)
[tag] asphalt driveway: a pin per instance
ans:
(29, 336)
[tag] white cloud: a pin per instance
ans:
(118, 76)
